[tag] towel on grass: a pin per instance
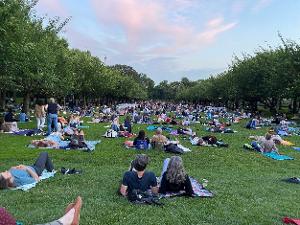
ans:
(83, 127)
(198, 189)
(276, 156)
(27, 187)
(296, 148)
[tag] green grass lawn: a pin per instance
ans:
(247, 186)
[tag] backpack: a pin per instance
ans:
(110, 133)
(173, 148)
(137, 196)
(141, 144)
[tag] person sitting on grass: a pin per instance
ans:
(21, 175)
(71, 217)
(159, 140)
(265, 144)
(268, 145)
(127, 124)
(174, 178)
(137, 178)
(141, 141)
(10, 116)
(77, 140)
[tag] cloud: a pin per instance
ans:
(260, 4)
(238, 6)
(150, 29)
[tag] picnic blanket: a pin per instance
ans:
(91, 146)
(27, 132)
(296, 148)
(83, 127)
(198, 189)
(153, 128)
(276, 156)
(27, 187)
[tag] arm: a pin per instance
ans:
(154, 189)
(188, 186)
(32, 174)
(123, 190)
(163, 185)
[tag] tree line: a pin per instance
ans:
(267, 77)
(37, 62)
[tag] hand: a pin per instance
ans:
(20, 167)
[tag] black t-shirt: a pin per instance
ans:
(132, 181)
(166, 186)
(52, 108)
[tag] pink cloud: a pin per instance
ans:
(215, 22)
(149, 31)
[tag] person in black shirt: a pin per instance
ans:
(52, 112)
(137, 178)
(9, 116)
(174, 178)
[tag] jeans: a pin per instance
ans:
(52, 118)
(43, 162)
(40, 122)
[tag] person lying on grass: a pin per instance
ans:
(51, 141)
(208, 140)
(174, 178)
(137, 178)
(71, 217)
(21, 175)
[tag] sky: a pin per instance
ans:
(171, 39)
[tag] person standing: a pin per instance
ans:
(40, 114)
(52, 112)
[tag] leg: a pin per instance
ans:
(38, 122)
(42, 122)
(42, 162)
(55, 121)
(49, 123)
(165, 166)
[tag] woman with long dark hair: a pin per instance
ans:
(174, 178)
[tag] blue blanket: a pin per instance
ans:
(26, 187)
(198, 189)
(276, 156)
(28, 132)
(296, 148)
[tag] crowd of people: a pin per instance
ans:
(173, 177)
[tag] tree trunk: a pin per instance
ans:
(2, 99)
(26, 102)
(295, 105)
